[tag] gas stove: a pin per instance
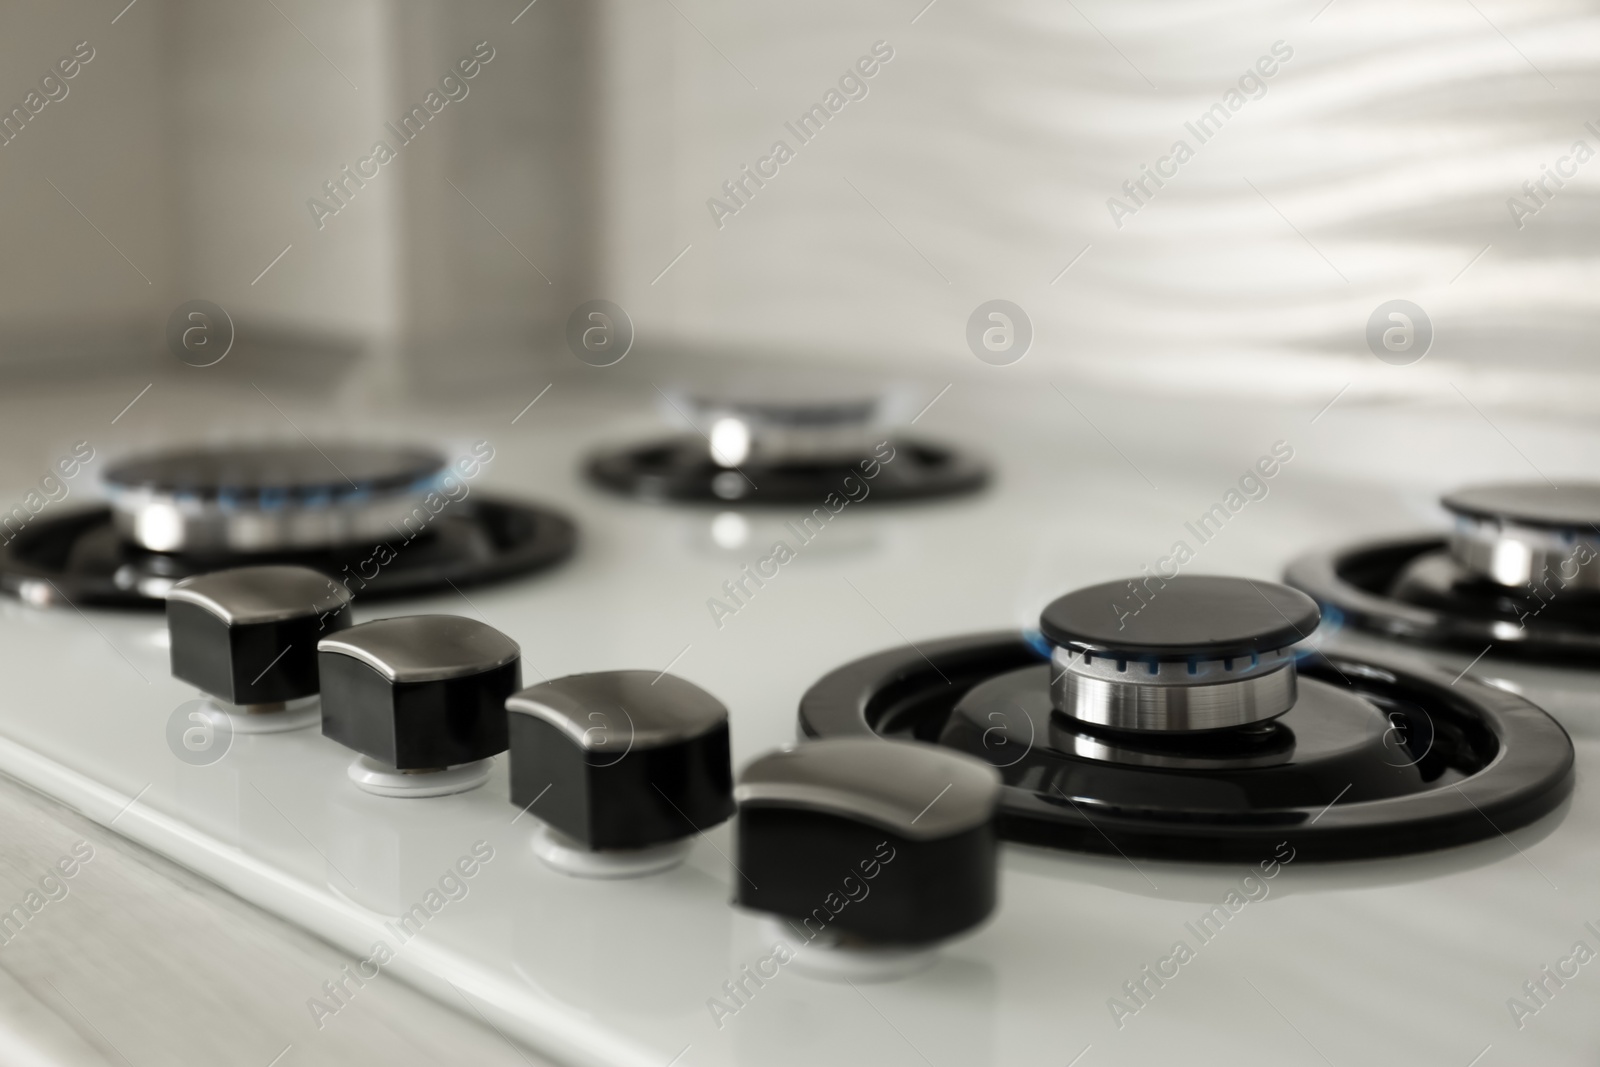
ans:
(1410, 888)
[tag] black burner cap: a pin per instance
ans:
(1176, 618)
(800, 413)
(296, 469)
(1527, 504)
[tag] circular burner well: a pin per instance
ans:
(1428, 764)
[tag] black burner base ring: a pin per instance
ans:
(1500, 763)
(680, 470)
(78, 558)
(1354, 586)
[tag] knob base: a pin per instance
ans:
(275, 718)
(831, 959)
(384, 781)
(569, 857)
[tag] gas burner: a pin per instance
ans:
(1520, 572)
(784, 447)
(383, 521)
(1177, 719)
(269, 499)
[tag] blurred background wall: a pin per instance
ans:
(186, 154)
(1382, 158)
(1375, 163)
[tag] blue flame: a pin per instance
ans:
(1036, 641)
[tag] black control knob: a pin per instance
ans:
(248, 638)
(1194, 652)
(857, 840)
(622, 767)
(422, 698)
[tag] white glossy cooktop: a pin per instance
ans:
(1402, 961)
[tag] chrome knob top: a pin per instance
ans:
(1519, 534)
(248, 636)
(1180, 654)
(620, 760)
(419, 692)
(890, 843)
(874, 783)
